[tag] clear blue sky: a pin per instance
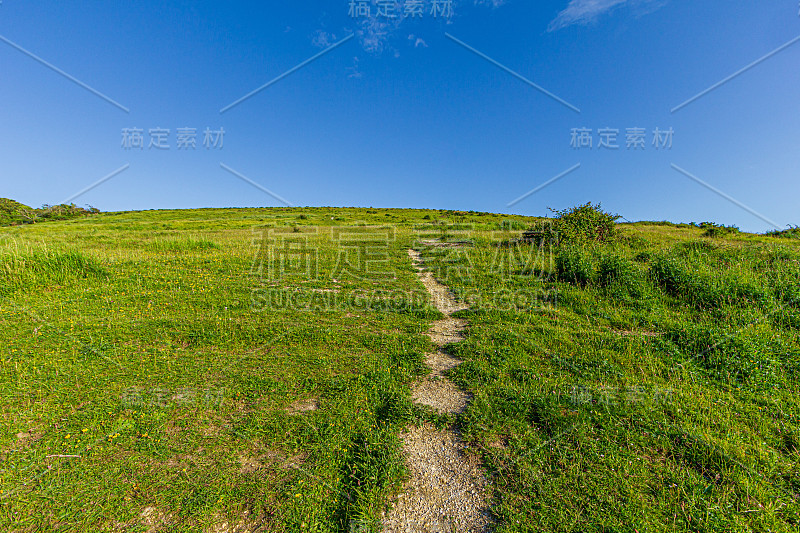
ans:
(402, 115)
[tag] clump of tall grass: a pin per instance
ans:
(746, 357)
(621, 277)
(183, 245)
(44, 267)
(574, 265)
(511, 225)
(705, 288)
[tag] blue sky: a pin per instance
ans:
(407, 112)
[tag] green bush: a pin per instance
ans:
(792, 233)
(717, 230)
(681, 282)
(13, 213)
(585, 224)
(574, 265)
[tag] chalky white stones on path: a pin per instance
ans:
(447, 489)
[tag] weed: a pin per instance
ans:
(574, 265)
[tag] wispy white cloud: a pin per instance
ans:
(417, 41)
(353, 71)
(378, 34)
(323, 39)
(493, 3)
(583, 12)
(374, 32)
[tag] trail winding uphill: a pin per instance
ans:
(447, 488)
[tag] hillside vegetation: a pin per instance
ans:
(13, 213)
(245, 370)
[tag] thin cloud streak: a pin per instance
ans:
(583, 12)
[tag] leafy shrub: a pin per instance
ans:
(717, 230)
(585, 224)
(13, 213)
(678, 280)
(793, 232)
(574, 265)
(613, 268)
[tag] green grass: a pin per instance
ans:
(650, 384)
(659, 394)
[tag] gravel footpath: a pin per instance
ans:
(447, 489)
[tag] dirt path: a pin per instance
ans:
(446, 492)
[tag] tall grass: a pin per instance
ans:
(186, 244)
(40, 268)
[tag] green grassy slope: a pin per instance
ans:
(156, 372)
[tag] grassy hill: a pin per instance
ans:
(250, 370)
